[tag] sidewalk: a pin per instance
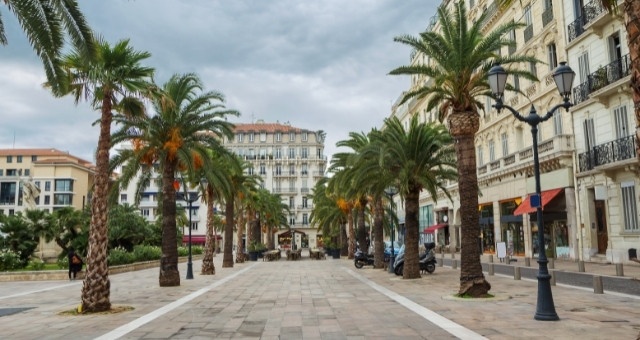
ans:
(312, 299)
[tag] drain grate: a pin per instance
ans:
(11, 311)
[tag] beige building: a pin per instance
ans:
(46, 179)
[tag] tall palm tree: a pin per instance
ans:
(46, 23)
(326, 213)
(178, 137)
(461, 56)
(418, 158)
(114, 80)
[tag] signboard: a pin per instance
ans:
(501, 250)
(535, 201)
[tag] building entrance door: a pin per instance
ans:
(601, 227)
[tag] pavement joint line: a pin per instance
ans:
(38, 291)
(127, 328)
(438, 320)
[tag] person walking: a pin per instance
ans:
(75, 264)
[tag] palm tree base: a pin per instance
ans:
(208, 268)
(478, 287)
(95, 308)
(169, 278)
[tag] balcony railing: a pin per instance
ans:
(590, 11)
(607, 153)
(528, 33)
(547, 16)
(491, 11)
(602, 77)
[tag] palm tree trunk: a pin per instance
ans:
(362, 232)
(411, 253)
(344, 240)
(631, 9)
(463, 127)
(352, 236)
(239, 233)
(169, 274)
(208, 268)
(96, 287)
(227, 258)
(378, 234)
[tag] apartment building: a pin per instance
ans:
(45, 179)
(289, 160)
(504, 145)
(607, 170)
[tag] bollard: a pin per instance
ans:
(454, 264)
(440, 262)
(516, 273)
(552, 280)
(619, 269)
(552, 263)
(490, 258)
(527, 261)
(581, 266)
(597, 285)
(507, 259)
(491, 269)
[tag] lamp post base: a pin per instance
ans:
(189, 270)
(392, 259)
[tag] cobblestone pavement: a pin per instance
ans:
(311, 299)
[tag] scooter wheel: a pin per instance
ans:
(358, 264)
(399, 269)
(431, 268)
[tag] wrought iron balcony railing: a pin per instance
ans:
(607, 153)
(602, 77)
(590, 11)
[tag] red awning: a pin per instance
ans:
(197, 239)
(545, 198)
(435, 227)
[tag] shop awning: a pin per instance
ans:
(545, 198)
(198, 239)
(432, 229)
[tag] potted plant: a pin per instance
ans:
(253, 251)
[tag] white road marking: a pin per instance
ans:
(429, 315)
(127, 328)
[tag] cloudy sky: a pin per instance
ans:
(320, 65)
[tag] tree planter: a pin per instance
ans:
(253, 256)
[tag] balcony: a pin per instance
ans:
(590, 12)
(528, 33)
(284, 191)
(282, 174)
(547, 16)
(318, 174)
(608, 153)
(491, 12)
(601, 78)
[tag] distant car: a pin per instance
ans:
(387, 249)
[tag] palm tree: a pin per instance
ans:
(46, 23)
(113, 81)
(461, 57)
(419, 158)
(326, 213)
(178, 137)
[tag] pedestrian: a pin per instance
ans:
(75, 264)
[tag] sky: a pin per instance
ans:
(319, 65)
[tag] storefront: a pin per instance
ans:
(487, 237)
(512, 228)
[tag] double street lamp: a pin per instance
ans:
(563, 77)
(390, 192)
(189, 197)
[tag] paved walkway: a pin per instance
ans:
(311, 299)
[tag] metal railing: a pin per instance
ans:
(607, 153)
(590, 11)
(602, 77)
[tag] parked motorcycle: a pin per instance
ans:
(361, 259)
(427, 260)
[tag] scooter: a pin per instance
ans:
(361, 259)
(427, 260)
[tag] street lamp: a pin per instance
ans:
(189, 197)
(563, 77)
(391, 191)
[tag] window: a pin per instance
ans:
(533, 69)
(250, 171)
(527, 15)
(305, 136)
(278, 169)
(252, 154)
(12, 172)
(47, 186)
(19, 159)
(144, 212)
(629, 206)
(1, 172)
(263, 137)
(37, 183)
(37, 200)
(304, 169)
(62, 199)
(292, 136)
(615, 49)
(27, 172)
(292, 169)
(480, 160)
(63, 185)
(487, 104)
(552, 56)
(263, 153)
(505, 144)
(194, 225)
(305, 219)
(516, 82)
(305, 202)
(240, 135)
(252, 137)
(319, 153)
(9, 159)
(620, 118)
(263, 169)
(34, 158)
(123, 198)
(583, 67)
(589, 134)
(305, 153)
(492, 151)
(292, 202)
(278, 153)
(557, 123)
(47, 200)
(292, 152)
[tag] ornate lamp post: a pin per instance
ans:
(390, 192)
(189, 197)
(563, 77)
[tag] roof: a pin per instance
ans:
(266, 127)
(56, 156)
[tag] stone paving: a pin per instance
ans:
(311, 299)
